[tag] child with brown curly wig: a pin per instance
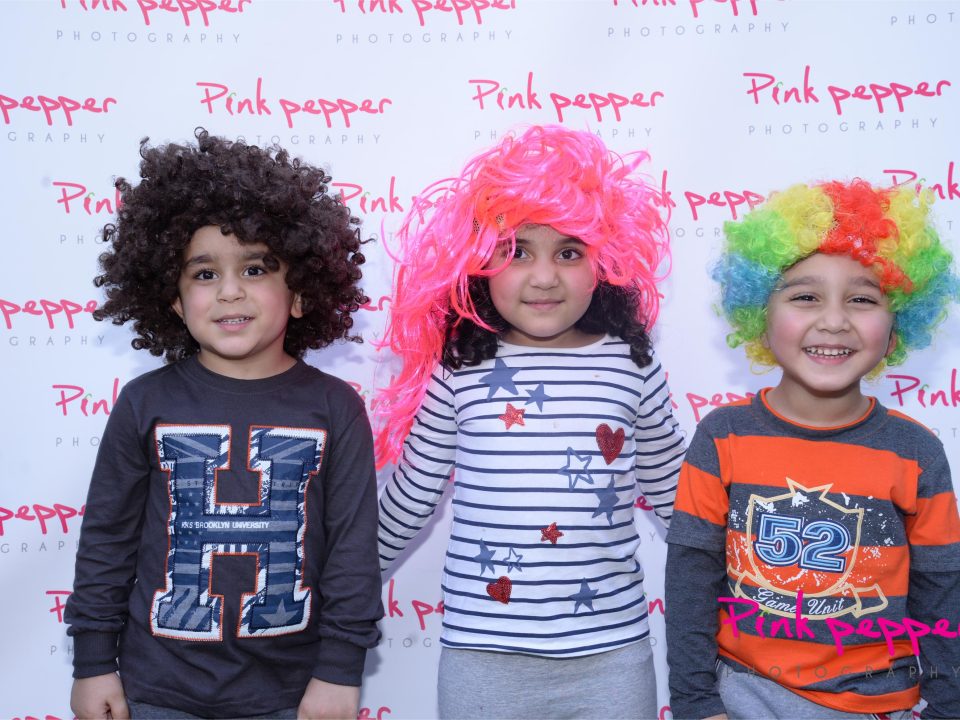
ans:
(231, 261)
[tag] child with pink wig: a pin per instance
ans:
(826, 523)
(521, 313)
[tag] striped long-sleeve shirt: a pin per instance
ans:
(819, 538)
(548, 448)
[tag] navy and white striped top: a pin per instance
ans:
(549, 447)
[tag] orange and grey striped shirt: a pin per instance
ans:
(820, 542)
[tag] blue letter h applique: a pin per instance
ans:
(199, 527)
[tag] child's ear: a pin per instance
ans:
(296, 308)
(177, 307)
(892, 345)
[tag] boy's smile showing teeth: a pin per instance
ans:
(238, 320)
(828, 352)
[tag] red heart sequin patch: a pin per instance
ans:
(500, 590)
(609, 442)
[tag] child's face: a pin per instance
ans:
(234, 306)
(545, 290)
(828, 325)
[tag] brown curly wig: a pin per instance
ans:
(258, 195)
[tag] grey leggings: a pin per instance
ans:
(616, 684)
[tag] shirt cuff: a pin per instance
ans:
(94, 653)
(340, 662)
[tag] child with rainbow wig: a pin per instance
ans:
(825, 523)
(521, 313)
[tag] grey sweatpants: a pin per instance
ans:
(747, 696)
(617, 684)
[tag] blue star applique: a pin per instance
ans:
(513, 561)
(500, 377)
(485, 558)
(584, 596)
(608, 501)
(576, 468)
(281, 616)
(538, 396)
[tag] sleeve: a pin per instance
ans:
(109, 537)
(349, 582)
(700, 512)
(416, 486)
(659, 443)
(694, 580)
(934, 591)
(934, 597)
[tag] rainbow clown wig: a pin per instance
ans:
(886, 229)
(449, 241)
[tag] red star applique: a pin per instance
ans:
(512, 416)
(550, 533)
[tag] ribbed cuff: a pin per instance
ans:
(94, 653)
(691, 710)
(339, 662)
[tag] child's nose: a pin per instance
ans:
(230, 289)
(834, 318)
(544, 274)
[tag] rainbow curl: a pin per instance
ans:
(549, 175)
(886, 229)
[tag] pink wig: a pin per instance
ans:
(548, 176)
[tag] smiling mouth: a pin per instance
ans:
(234, 320)
(827, 352)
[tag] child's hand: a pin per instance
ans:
(721, 716)
(326, 701)
(100, 696)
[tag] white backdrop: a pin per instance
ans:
(733, 99)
